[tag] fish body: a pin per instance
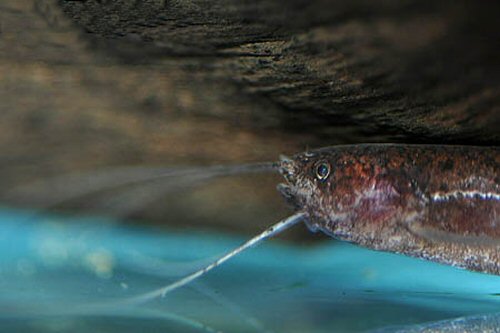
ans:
(435, 202)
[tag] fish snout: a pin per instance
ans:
(287, 169)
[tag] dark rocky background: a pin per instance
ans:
(92, 84)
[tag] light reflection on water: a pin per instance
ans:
(57, 276)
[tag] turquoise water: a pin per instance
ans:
(58, 275)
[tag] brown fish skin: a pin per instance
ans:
(435, 202)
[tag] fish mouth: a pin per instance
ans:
(290, 196)
(286, 191)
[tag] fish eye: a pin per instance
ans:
(322, 170)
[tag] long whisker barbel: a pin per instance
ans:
(269, 232)
(123, 204)
(74, 186)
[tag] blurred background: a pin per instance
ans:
(94, 89)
